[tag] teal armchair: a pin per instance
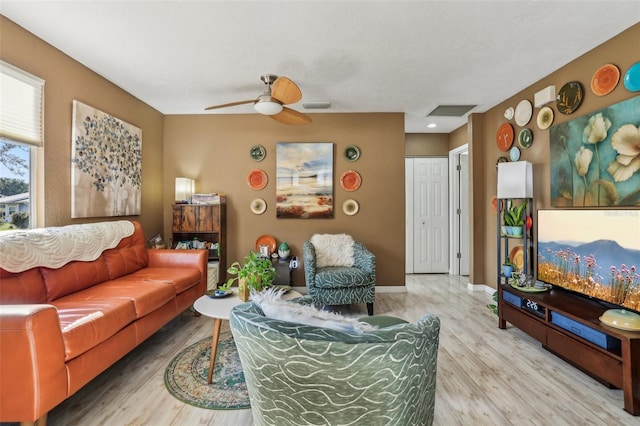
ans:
(344, 284)
(307, 375)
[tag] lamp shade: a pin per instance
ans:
(184, 189)
(515, 180)
(267, 107)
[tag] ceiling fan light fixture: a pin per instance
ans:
(268, 107)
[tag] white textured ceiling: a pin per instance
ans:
(362, 56)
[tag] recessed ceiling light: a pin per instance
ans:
(432, 125)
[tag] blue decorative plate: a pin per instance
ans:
(514, 153)
(632, 78)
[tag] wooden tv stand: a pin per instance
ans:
(618, 366)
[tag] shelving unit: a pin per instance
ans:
(504, 241)
(206, 222)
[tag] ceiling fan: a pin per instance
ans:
(280, 91)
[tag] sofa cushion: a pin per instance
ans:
(73, 277)
(128, 256)
(86, 323)
(146, 297)
(341, 277)
(333, 249)
(23, 287)
(181, 279)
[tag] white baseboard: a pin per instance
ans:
(480, 287)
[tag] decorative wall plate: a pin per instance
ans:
(569, 97)
(496, 204)
(352, 153)
(504, 137)
(350, 180)
(545, 118)
(350, 207)
(257, 179)
(524, 110)
(525, 138)
(514, 153)
(266, 240)
(605, 79)
(258, 206)
(632, 78)
(508, 113)
(516, 256)
(257, 152)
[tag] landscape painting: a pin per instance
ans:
(106, 164)
(304, 180)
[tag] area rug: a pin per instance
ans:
(186, 376)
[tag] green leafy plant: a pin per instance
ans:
(514, 215)
(507, 262)
(256, 270)
(494, 306)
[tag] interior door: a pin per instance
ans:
(430, 215)
(463, 215)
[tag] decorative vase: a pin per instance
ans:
(514, 231)
(283, 250)
(243, 290)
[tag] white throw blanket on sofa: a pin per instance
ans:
(54, 247)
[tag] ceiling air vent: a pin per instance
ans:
(451, 110)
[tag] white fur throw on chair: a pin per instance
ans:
(333, 249)
(284, 310)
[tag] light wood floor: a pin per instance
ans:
(486, 376)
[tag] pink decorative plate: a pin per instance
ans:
(257, 179)
(350, 180)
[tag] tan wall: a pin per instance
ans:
(621, 50)
(426, 145)
(214, 150)
(458, 137)
(66, 80)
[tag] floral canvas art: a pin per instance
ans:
(106, 164)
(304, 187)
(595, 158)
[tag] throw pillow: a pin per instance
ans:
(333, 249)
(284, 310)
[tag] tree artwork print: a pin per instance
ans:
(106, 164)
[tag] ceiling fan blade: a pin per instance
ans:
(231, 104)
(286, 91)
(291, 117)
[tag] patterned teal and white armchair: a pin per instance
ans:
(339, 270)
(308, 375)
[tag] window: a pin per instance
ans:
(21, 136)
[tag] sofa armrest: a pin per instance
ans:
(33, 375)
(168, 258)
(309, 259)
(363, 259)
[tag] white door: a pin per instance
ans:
(408, 196)
(430, 215)
(463, 215)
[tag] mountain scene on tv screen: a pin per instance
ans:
(602, 269)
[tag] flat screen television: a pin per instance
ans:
(595, 253)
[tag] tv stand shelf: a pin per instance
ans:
(615, 362)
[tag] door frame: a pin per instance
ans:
(454, 194)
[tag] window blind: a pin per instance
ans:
(21, 106)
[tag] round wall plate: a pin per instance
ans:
(350, 207)
(257, 179)
(524, 110)
(514, 153)
(352, 153)
(569, 97)
(258, 206)
(257, 152)
(525, 138)
(545, 118)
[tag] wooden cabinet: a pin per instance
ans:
(206, 223)
(568, 326)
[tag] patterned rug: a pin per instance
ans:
(186, 376)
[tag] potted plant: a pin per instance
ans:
(256, 272)
(507, 268)
(514, 219)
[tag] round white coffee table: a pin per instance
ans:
(220, 309)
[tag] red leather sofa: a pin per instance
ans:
(60, 328)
